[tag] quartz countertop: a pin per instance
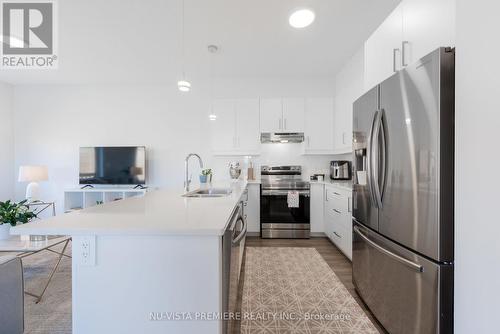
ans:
(159, 212)
(346, 185)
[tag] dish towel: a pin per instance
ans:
(293, 199)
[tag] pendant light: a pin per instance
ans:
(183, 85)
(212, 49)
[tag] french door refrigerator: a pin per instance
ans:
(403, 197)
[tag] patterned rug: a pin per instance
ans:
(293, 290)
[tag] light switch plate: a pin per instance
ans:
(87, 250)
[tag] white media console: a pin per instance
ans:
(77, 199)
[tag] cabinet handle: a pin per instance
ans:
(337, 211)
(336, 193)
(394, 51)
(337, 234)
(403, 53)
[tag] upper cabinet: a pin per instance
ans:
(349, 84)
(235, 131)
(412, 30)
(271, 115)
(319, 124)
(282, 115)
(293, 114)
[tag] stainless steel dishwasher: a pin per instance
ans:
(233, 243)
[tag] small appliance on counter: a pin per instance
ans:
(317, 177)
(340, 170)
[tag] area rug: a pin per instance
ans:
(53, 314)
(293, 290)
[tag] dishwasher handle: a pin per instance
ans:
(243, 233)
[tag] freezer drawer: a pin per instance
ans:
(406, 292)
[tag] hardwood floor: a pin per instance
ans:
(340, 264)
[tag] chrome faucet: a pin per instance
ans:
(187, 181)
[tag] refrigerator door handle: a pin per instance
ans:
(375, 159)
(383, 149)
(369, 158)
(416, 267)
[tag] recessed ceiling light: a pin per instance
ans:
(184, 86)
(301, 18)
(212, 117)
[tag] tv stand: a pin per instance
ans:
(87, 186)
(88, 196)
(140, 186)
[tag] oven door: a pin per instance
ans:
(280, 221)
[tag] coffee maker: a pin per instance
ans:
(340, 170)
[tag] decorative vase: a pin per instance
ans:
(203, 178)
(4, 231)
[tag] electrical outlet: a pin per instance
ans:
(87, 251)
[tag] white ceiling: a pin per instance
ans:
(134, 41)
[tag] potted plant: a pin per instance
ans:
(11, 214)
(206, 175)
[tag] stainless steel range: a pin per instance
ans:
(277, 218)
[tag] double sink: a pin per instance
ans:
(213, 192)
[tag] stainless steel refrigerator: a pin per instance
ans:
(403, 197)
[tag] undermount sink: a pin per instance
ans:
(214, 192)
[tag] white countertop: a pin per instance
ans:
(346, 185)
(160, 212)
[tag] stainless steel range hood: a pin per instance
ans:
(282, 137)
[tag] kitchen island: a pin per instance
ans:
(151, 264)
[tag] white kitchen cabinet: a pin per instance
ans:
(235, 131)
(293, 114)
(317, 207)
(223, 129)
(252, 209)
(319, 126)
(427, 25)
(338, 217)
(414, 29)
(282, 115)
(271, 115)
(383, 49)
(350, 84)
(247, 125)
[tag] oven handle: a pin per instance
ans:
(284, 192)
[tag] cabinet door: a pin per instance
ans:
(343, 122)
(293, 114)
(427, 25)
(271, 115)
(253, 207)
(222, 130)
(327, 218)
(379, 49)
(319, 125)
(247, 126)
(317, 207)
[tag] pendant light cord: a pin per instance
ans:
(182, 41)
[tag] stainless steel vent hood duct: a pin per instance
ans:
(282, 137)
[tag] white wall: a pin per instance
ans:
(6, 143)
(53, 121)
(477, 225)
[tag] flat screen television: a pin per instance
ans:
(124, 165)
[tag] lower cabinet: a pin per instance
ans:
(317, 204)
(338, 217)
(252, 209)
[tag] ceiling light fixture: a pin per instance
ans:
(183, 85)
(301, 18)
